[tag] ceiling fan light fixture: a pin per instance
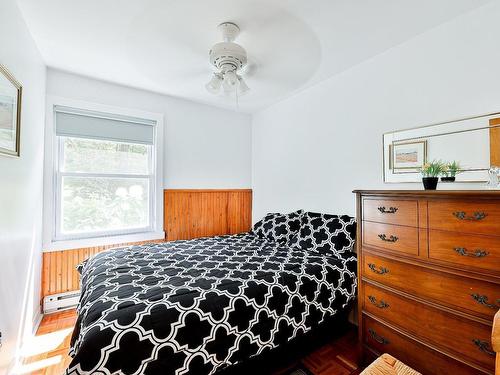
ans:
(242, 87)
(230, 79)
(215, 83)
(228, 58)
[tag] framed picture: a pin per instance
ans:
(10, 113)
(408, 157)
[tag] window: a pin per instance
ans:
(104, 174)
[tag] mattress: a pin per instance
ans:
(201, 305)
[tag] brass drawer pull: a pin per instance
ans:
(483, 300)
(380, 271)
(477, 216)
(381, 305)
(391, 238)
(476, 254)
(377, 337)
(391, 210)
(483, 346)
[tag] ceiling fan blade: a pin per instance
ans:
(250, 69)
(203, 72)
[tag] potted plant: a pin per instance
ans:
(450, 170)
(430, 174)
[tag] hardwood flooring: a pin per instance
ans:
(48, 353)
(339, 357)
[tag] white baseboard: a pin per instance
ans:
(36, 322)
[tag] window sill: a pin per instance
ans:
(101, 241)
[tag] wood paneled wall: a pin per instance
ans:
(199, 213)
(59, 272)
(187, 214)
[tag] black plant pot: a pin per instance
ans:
(430, 183)
(448, 179)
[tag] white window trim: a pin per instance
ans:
(59, 175)
(49, 202)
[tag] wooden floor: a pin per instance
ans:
(339, 357)
(48, 354)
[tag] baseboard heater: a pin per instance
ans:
(61, 301)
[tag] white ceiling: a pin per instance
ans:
(162, 45)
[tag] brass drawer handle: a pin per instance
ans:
(483, 346)
(381, 305)
(479, 253)
(476, 216)
(377, 337)
(391, 238)
(391, 210)
(380, 271)
(483, 300)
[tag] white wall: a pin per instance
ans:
(205, 147)
(310, 151)
(21, 189)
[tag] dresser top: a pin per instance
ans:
(495, 194)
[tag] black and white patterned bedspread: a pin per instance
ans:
(197, 306)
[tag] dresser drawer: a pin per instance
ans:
(465, 249)
(462, 216)
(459, 335)
(480, 298)
(383, 339)
(395, 238)
(391, 211)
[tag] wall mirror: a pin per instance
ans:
(474, 142)
(10, 113)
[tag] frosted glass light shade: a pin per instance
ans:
(214, 85)
(242, 87)
(230, 79)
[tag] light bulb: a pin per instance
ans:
(215, 83)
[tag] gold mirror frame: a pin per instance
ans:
(19, 88)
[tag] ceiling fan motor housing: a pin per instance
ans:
(228, 56)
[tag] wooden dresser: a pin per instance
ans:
(429, 278)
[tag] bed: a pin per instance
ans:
(198, 306)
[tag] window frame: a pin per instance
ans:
(59, 174)
(53, 239)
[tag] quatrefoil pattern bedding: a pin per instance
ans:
(197, 306)
(279, 227)
(327, 234)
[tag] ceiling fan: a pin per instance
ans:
(229, 59)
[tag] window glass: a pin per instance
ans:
(99, 204)
(99, 156)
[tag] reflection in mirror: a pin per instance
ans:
(10, 113)
(474, 143)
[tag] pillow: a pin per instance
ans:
(79, 266)
(279, 227)
(258, 228)
(327, 234)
